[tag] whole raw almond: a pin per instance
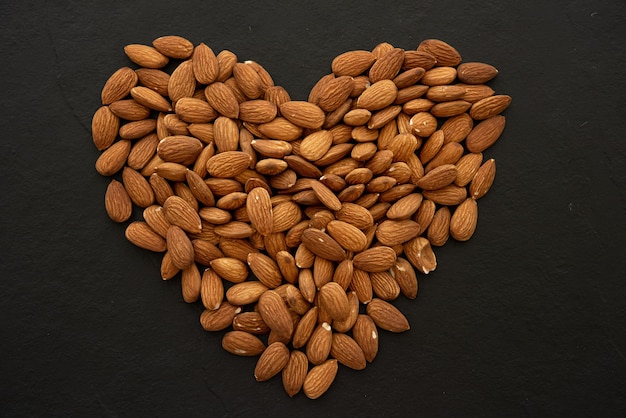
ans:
(104, 128)
(489, 106)
(230, 269)
(250, 322)
(173, 46)
(179, 212)
(476, 72)
(140, 234)
(444, 53)
(348, 236)
(145, 56)
(205, 64)
(182, 82)
(483, 179)
(259, 207)
(118, 85)
(378, 96)
(387, 316)
(228, 164)
(272, 361)
(375, 259)
(219, 319)
(195, 110)
(179, 247)
(365, 334)
(439, 228)
(242, 343)
(404, 274)
(485, 134)
(319, 379)
(212, 289)
(463, 221)
(137, 187)
(393, 232)
(294, 373)
(316, 144)
(405, 207)
(275, 313)
(222, 99)
(347, 351)
(352, 63)
(245, 293)
(113, 158)
(265, 269)
(117, 202)
(332, 297)
(318, 346)
(323, 245)
(304, 114)
(438, 177)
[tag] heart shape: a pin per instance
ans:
(333, 204)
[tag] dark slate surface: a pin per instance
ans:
(525, 319)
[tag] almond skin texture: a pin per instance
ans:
(275, 313)
(375, 259)
(319, 379)
(259, 207)
(464, 219)
(347, 352)
(242, 343)
(387, 316)
(118, 205)
(485, 134)
(294, 373)
(322, 245)
(272, 361)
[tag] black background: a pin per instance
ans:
(525, 319)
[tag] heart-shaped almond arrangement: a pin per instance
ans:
(297, 223)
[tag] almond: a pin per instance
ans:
(205, 64)
(275, 313)
(315, 145)
(140, 234)
(348, 236)
(212, 289)
(179, 212)
(404, 274)
(294, 373)
(221, 98)
(444, 53)
(228, 164)
(303, 114)
(485, 134)
(375, 259)
(489, 106)
(179, 247)
(242, 343)
(322, 244)
(387, 66)
(420, 254)
(476, 72)
(483, 179)
(230, 269)
(352, 63)
(305, 327)
(347, 351)
(365, 334)
(117, 202)
(245, 293)
(379, 95)
(392, 232)
(318, 346)
(250, 322)
(387, 316)
(405, 207)
(113, 158)
(219, 319)
(319, 379)
(464, 218)
(272, 361)
(104, 128)
(265, 269)
(439, 228)
(118, 85)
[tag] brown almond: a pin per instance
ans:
(332, 297)
(153, 79)
(489, 106)
(219, 319)
(150, 99)
(319, 379)
(485, 134)
(117, 202)
(483, 179)
(347, 235)
(272, 361)
(405, 207)
(257, 111)
(194, 110)
(275, 313)
(466, 168)
(205, 64)
(387, 316)
(375, 259)
(137, 129)
(228, 164)
(118, 85)
(365, 334)
(439, 76)
(248, 80)
(265, 269)
(318, 346)
(104, 127)
(438, 177)
(355, 215)
(347, 351)
(464, 218)
(191, 283)
(315, 145)
(419, 252)
(444, 53)
(304, 114)
(280, 128)
(421, 59)
(145, 56)
(387, 66)
(179, 247)
(423, 124)
(245, 293)
(392, 232)
(250, 322)
(439, 228)
(450, 195)
(242, 343)
(221, 98)
(230, 269)
(113, 158)
(182, 82)
(294, 373)
(322, 244)
(179, 212)
(212, 289)
(404, 274)
(137, 187)
(173, 46)
(457, 128)
(352, 63)
(378, 96)
(476, 72)
(140, 234)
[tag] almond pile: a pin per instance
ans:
(297, 223)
